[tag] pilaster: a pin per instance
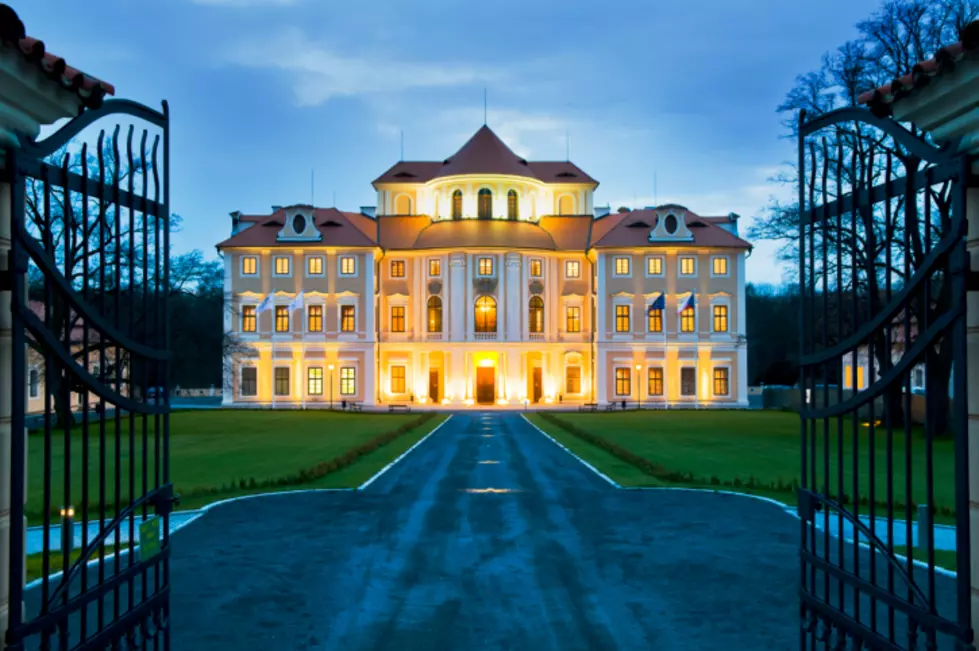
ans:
(457, 297)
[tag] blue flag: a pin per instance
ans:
(659, 303)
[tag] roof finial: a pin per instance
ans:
(484, 105)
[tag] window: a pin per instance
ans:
(572, 379)
(282, 318)
(457, 204)
(435, 314)
(623, 382)
(402, 205)
(721, 383)
(485, 314)
(536, 315)
(282, 381)
(314, 265)
(687, 319)
(298, 224)
(249, 265)
(671, 224)
(622, 266)
(435, 267)
(34, 383)
(348, 381)
(572, 269)
(536, 268)
(281, 266)
(348, 318)
(622, 318)
(512, 206)
(398, 318)
(688, 266)
(486, 266)
(249, 381)
(655, 381)
(572, 319)
(314, 318)
(348, 265)
(720, 318)
(397, 379)
(249, 322)
(565, 205)
(655, 320)
(688, 381)
(397, 268)
(314, 381)
(484, 205)
(654, 266)
(719, 266)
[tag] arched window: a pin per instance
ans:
(485, 314)
(457, 204)
(485, 204)
(565, 205)
(536, 315)
(402, 205)
(435, 314)
(512, 208)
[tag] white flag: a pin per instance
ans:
(265, 305)
(299, 302)
(685, 303)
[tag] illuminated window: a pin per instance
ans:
(572, 269)
(536, 270)
(622, 266)
(249, 265)
(688, 266)
(622, 318)
(249, 322)
(314, 381)
(348, 265)
(348, 381)
(281, 266)
(654, 266)
(688, 381)
(573, 318)
(402, 205)
(397, 379)
(572, 379)
(457, 204)
(347, 318)
(397, 268)
(720, 318)
(281, 318)
(687, 319)
(249, 381)
(656, 321)
(435, 267)
(721, 385)
(314, 318)
(435, 314)
(565, 205)
(485, 314)
(655, 381)
(623, 382)
(282, 381)
(314, 265)
(398, 318)
(484, 204)
(512, 207)
(720, 266)
(536, 315)
(486, 266)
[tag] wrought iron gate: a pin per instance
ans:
(882, 277)
(89, 254)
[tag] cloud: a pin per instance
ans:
(319, 73)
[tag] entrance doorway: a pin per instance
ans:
(538, 384)
(485, 385)
(433, 385)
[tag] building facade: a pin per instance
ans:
(485, 280)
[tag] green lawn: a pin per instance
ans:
(748, 451)
(943, 557)
(223, 453)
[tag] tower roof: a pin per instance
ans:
(485, 153)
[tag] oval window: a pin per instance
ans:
(298, 224)
(670, 224)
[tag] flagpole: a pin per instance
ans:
(274, 316)
(666, 358)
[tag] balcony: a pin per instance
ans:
(484, 336)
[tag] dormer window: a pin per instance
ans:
(298, 224)
(670, 224)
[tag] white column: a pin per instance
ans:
(601, 299)
(742, 330)
(228, 384)
(513, 282)
(457, 297)
(369, 301)
(469, 299)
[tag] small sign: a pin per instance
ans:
(149, 538)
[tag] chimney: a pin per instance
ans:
(235, 221)
(734, 217)
(602, 211)
(369, 211)
(274, 208)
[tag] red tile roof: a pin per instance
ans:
(89, 89)
(614, 231)
(569, 232)
(337, 228)
(483, 233)
(880, 99)
(485, 153)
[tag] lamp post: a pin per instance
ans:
(330, 368)
(638, 387)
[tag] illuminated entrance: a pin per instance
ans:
(485, 385)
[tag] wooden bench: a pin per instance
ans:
(588, 406)
(354, 406)
(399, 408)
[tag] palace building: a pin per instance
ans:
(485, 280)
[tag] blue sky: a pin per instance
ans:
(263, 91)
